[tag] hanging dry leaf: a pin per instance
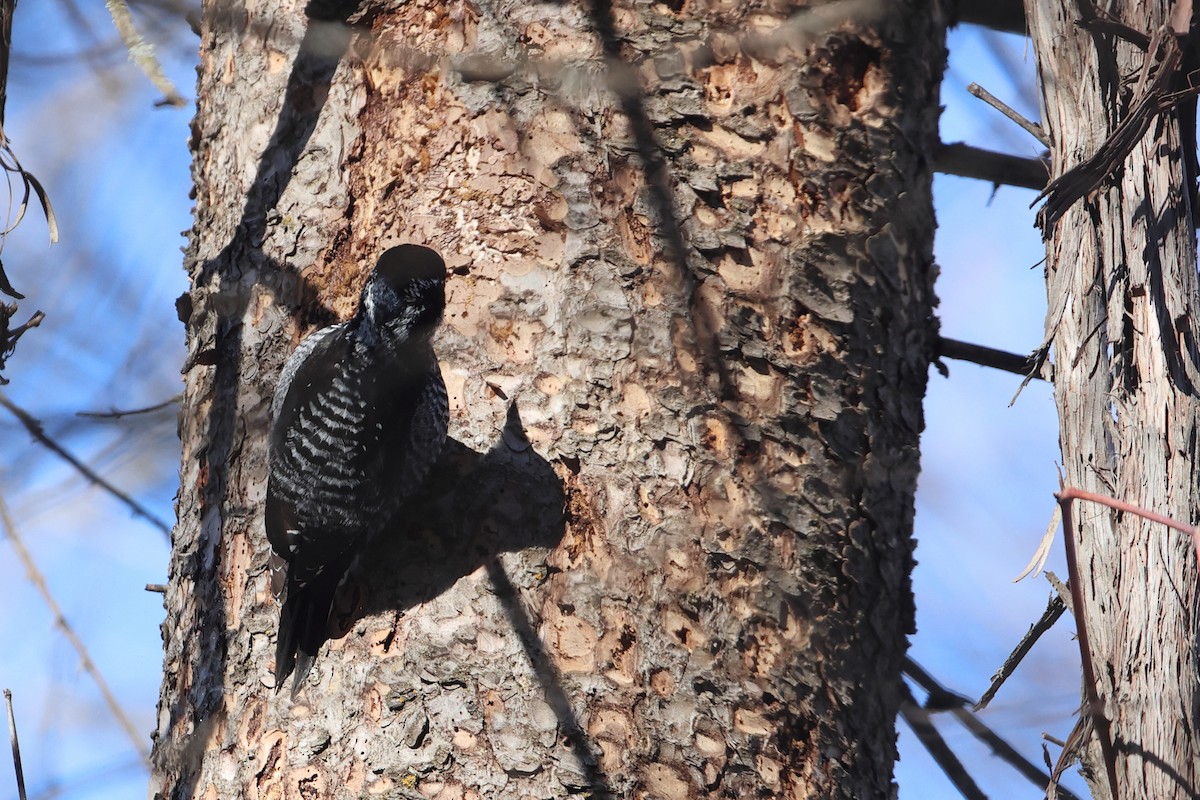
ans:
(1038, 562)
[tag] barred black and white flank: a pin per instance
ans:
(359, 417)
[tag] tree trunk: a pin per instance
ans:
(675, 562)
(1123, 314)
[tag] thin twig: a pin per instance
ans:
(37, 432)
(918, 720)
(1099, 721)
(1032, 128)
(1098, 20)
(1054, 610)
(1072, 751)
(9, 336)
(939, 697)
(1060, 588)
(113, 413)
(8, 159)
(16, 747)
(1032, 772)
(7, 9)
(103, 775)
(1071, 493)
(942, 699)
(39, 581)
(142, 53)
(91, 52)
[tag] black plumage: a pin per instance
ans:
(359, 418)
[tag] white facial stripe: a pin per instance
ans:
(369, 304)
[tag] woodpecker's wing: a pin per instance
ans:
(300, 355)
(314, 364)
(305, 560)
(343, 449)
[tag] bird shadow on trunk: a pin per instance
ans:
(473, 507)
(476, 506)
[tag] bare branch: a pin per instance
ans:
(1098, 20)
(7, 9)
(1071, 493)
(9, 336)
(39, 434)
(991, 357)
(1066, 496)
(1000, 15)
(999, 747)
(16, 747)
(142, 53)
(1030, 127)
(8, 159)
(1054, 610)
(113, 413)
(988, 165)
(1072, 750)
(920, 724)
(942, 699)
(39, 581)
(1091, 689)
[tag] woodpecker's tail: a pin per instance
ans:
(303, 626)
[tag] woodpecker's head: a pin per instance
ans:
(406, 293)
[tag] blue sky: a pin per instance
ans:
(117, 171)
(988, 470)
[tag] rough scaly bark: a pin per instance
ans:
(678, 566)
